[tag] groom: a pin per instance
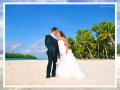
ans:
(53, 51)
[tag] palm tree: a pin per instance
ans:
(86, 39)
(118, 51)
(79, 51)
(71, 42)
(88, 46)
(105, 32)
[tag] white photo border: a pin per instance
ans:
(59, 3)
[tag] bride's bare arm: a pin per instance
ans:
(66, 44)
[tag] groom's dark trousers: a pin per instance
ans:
(52, 53)
(51, 60)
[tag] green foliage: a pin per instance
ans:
(87, 46)
(118, 51)
(19, 55)
(118, 48)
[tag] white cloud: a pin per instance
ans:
(118, 5)
(97, 0)
(51, 0)
(27, 50)
(118, 31)
(37, 48)
(118, 24)
(1, 34)
(1, 50)
(12, 46)
(1, 2)
(118, 10)
(16, 46)
(1, 8)
(1, 28)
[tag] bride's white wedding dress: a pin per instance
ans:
(67, 66)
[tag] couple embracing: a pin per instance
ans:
(61, 57)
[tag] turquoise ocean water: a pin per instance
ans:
(11, 59)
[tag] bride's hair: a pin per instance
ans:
(62, 34)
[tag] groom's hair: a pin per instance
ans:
(54, 29)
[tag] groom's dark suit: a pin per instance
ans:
(53, 52)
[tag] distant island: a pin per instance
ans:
(19, 55)
(118, 48)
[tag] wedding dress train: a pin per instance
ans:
(67, 66)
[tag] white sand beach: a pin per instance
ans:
(32, 73)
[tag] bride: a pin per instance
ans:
(67, 66)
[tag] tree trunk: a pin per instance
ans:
(103, 53)
(81, 56)
(98, 51)
(90, 52)
(110, 36)
(112, 40)
(106, 52)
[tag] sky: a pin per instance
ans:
(1, 13)
(27, 25)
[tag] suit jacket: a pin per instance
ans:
(52, 46)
